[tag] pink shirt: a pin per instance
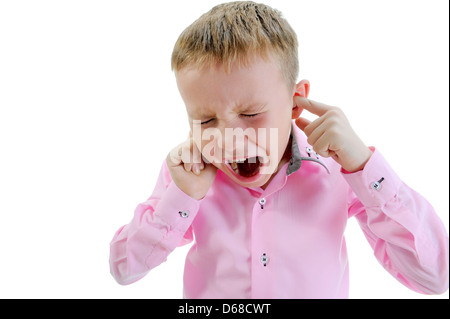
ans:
(286, 241)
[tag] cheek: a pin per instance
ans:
(277, 128)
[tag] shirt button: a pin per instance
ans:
(262, 201)
(375, 186)
(264, 259)
(184, 213)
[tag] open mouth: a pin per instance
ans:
(247, 167)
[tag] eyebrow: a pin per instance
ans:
(205, 113)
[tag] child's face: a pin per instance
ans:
(245, 114)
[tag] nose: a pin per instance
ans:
(239, 143)
(229, 142)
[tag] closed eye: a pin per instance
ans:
(206, 122)
(250, 115)
(244, 115)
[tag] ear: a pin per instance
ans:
(301, 89)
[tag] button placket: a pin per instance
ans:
(261, 247)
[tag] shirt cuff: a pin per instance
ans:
(376, 184)
(177, 209)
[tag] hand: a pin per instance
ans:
(188, 170)
(332, 136)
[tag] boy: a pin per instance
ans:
(266, 192)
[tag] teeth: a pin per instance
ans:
(234, 167)
(236, 161)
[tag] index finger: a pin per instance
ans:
(314, 107)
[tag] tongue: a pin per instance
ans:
(249, 167)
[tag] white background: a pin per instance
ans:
(89, 109)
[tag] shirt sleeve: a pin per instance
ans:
(159, 225)
(405, 233)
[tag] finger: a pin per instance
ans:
(193, 160)
(314, 125)
(181, 153)
(314, 107)
(196, 154)
(187, 167)
(186, 155)
(174, 155)
(196, 169)
(322, 145)
(302, 123)
(315, 130)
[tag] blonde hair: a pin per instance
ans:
(232, 33)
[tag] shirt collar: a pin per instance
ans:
(296, 159)
(296, 155)
(301, 151)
